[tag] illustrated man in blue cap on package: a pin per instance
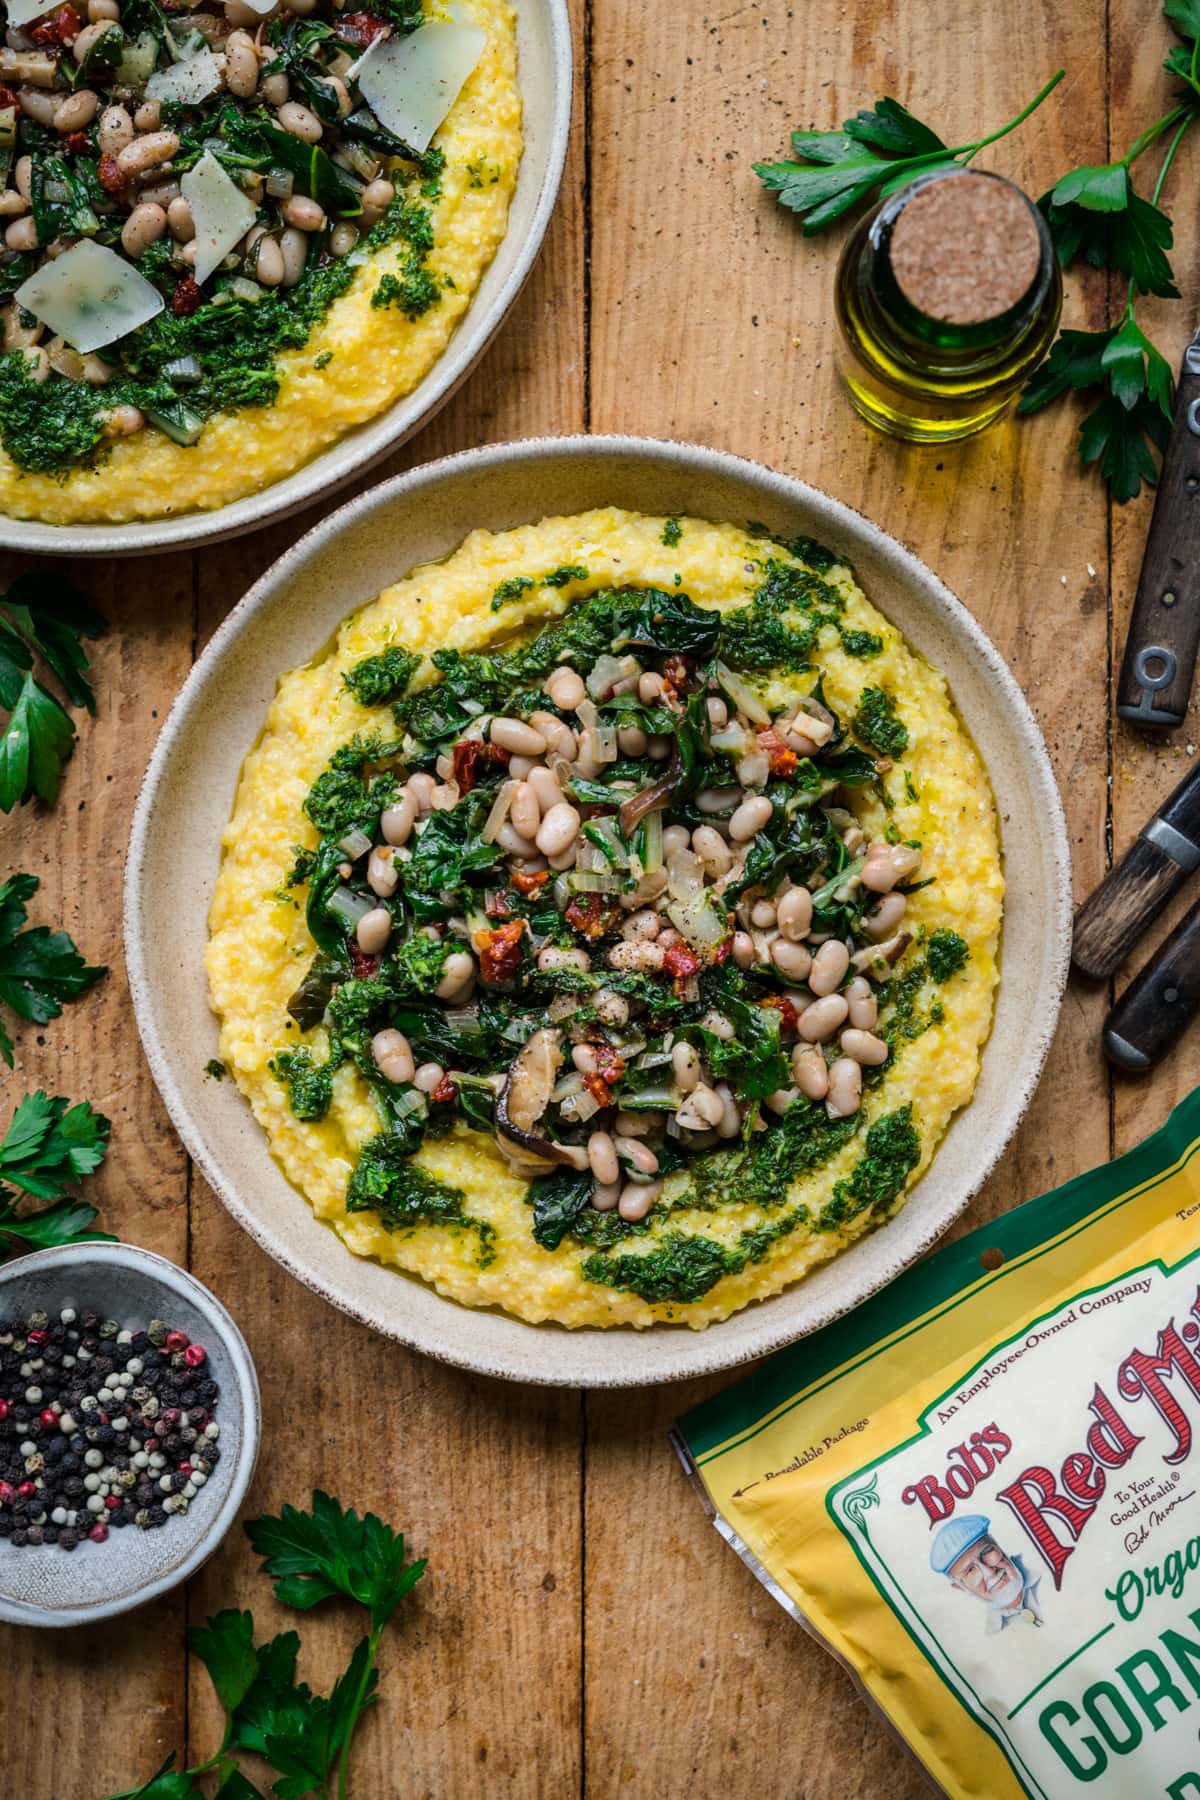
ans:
(967, 1554)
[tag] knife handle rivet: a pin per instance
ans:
(1192, 483)
(1169, 597)
(1147, 675)
(1193, 418)
(1170, 995)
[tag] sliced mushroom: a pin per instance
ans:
(523, 1100)
(650, 799)
(878, 957)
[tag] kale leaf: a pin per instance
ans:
(309, 1084)
(379, 679)
(946, 953)
(387, 1181)
(891, 1151)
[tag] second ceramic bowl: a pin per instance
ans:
(284, 621)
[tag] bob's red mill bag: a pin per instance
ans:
(981, 1489)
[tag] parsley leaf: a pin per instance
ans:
(41, 616)
(327, 1551)
(878, 150)
(40, 969)
(48, 1144)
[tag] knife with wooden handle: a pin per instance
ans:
(1164, 631)
(1157, 863)
(1158, 1003)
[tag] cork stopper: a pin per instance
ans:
(965, 249)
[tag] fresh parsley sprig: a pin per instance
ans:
(875, 152)
(306, 1737)
(48, 1144)
(41, 616)
(40, 969)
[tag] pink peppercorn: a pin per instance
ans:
(112, 1501)
(3, 1409)
(26, 1490)
(169, 1417)
(8, 1493)
(194, 1355)
(98, 1533)
(48, 1416)
(36, 1337)
(185, 1468)
(176, 1340)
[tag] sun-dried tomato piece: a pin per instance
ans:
(592, 914)
(786, 1010)
(445, 1090)
(111, 178)
(681, 961)
(8, 97)
(362, 28)
(362, 965)
(722, 952)
(496, 905)
(781, 760)
(187, 298)
(677, 674)
(500, 950)
(62, 27)
(610, 1066)
(496, 753)
(529, 881)
(79, 143)
(464, 761)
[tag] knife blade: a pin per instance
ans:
(1164, 629)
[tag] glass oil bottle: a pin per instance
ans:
(948, 296)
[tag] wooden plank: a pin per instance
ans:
(482, 1684)
(116, 1694)
(712, 320)
(1145, 769)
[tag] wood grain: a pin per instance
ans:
(582, 1629)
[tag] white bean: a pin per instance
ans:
(373, 930)
(730, 1122)
(179, 220)
(864, 1047)
(300, 122)
(553, 957)
(762, 914)
(148, 116)
(809, 1071)
(650, 687)
(686, 1066)
(829, 967)
(845, 1089)
(794, 914)
(304, 213)
(544, 783)
(639, 1155)
(638, 957)
(429, 1076)
(293, 249)
(792, 960)
(421, 787)
(558, 828)
(147, 152)
(716, 858)
(702, 1110)
(819, 1021)
(397, 821)
(637, 1197)
(883, 921)
(606, 1196)
(515, 735)
(77, 111)
(744, 953)
(382, 873)
(144, 226)
(715, 800)
(392, 1056)
(678, 837)
(565, 688)
(602, 1158)
(457, 971)
(878, 873)
(864, 1008)
(241, 64)
(750, 818)
(525, 812)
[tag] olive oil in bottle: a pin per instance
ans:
(948, 297)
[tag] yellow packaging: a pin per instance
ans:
(979, 1490)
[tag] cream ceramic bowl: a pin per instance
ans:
(294, 610)
(49, 1586)
(544, 74)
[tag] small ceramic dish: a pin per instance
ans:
(295, 609)
(44, 1585)
(545, 77)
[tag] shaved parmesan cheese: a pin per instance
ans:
(90, 296)
(189, 81)
(20, 12)
(221, 213)
(410, 83)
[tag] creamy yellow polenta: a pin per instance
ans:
(260, 946)
(369, 356)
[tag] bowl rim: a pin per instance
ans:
(181, 1281)
(690, 1354)
(363, 448)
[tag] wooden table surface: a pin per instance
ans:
(582, 1628)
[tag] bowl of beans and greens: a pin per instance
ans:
(603, 913)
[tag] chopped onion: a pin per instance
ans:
(586, 713)
(744, 697)
(652, 843)
(356, 843)
(734, 738)
(280, 184)
(571, 1083)
(246, 289)
(592, 881)
(183, 371)
(562, 1007)
(839, 887)
(604, 743)
(612, 849)
(349, 907)
(411, 1102)
(581, 1107)
(606, 672)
